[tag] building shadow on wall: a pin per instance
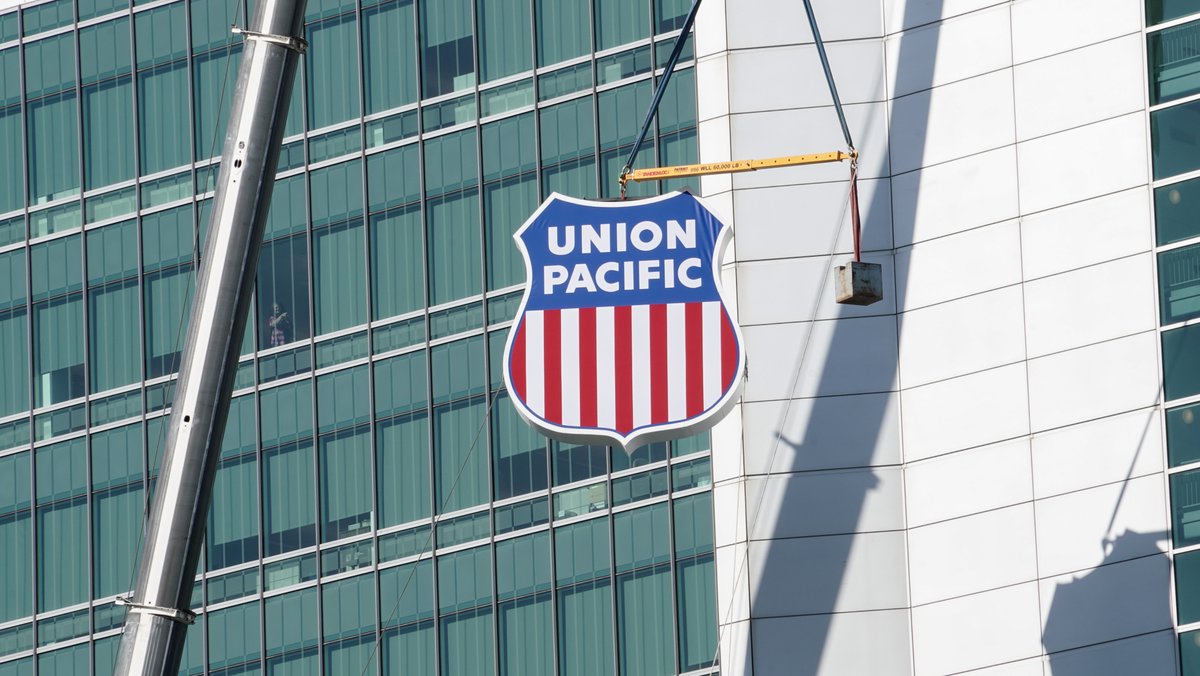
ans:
(816, 582)
(1126, 589)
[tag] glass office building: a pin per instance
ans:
(379, 507)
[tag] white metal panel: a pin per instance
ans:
(952, 121)
(1044, 27)
(850, 356)
(838, 573)
(832, 502)
(962, 336)
(1086, 233)
(959, 265)
(972, 554)
(967, 482)
(823, 433)
(1071, 528)
(1105, 604)
(1097, 452)
(872, 642)
(1082, 163)
(1089, 382)
(1079, 87)
(976, 630)
(975, 410)
(1090, 305)
(955, 196)
(957, 48)
(800, 220)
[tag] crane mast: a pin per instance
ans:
(158, 609)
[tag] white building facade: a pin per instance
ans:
(972, 475)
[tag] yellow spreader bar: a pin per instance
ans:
(735, 166)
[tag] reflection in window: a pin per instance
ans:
(1185, 508)
(1177, 211)
(14, 341)
(520, 452)
(621, 21)
(446, 48)
(282, 292)
(1179, 284)
(12, 179)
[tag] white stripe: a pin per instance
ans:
(677, 361)
(569, 342)
(641, 364)
(606, 370)
(535, 375)
(712, 350)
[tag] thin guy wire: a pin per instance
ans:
(837, 101)
(779, 435)
(658, 93)
(487, 415)
(183, 310)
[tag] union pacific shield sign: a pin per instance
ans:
(623, 335)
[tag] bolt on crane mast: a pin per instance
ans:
(158, 609)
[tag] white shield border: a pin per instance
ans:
(650, 433)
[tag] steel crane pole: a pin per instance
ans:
(158, 610)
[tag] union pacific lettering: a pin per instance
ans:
(599, 274)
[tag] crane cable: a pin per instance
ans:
(680, 39)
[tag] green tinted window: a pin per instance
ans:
(505, 43)
(14, 352)
(232, 534)
(283, 314)
(393, 177)
(1177, 211)
(62, 521)
(104, 50)
(454, 247)
(389, 55)
(397, 262)
(1174, 71)
(291, 621)
(447, 50)
(338, 276)
(213, 78)
(233, 635)
(462, 461)
(519, 452)
(1158, 11)
(345, 472)
(1183, 434)
(506, 205)
(15, 537)
(12, 174)
(50, 65)
(1175, 147)
(108, 132)
(585, 633)
(563, 30)
(1185, 508)
(289, 510)
(332, 63)
(53, 137)
(164, 122)
(1179, 284)
(402, 445)
(696, 603)
(620, 22)
(1181, 362)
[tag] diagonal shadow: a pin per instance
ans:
(816, 582)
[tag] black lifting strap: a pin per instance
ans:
(658, 94)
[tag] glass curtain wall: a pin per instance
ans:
(379, 504)
(1174, 79)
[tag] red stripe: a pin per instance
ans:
(552, 349)
(659, 378)
(516, 366)
(623, 362)
(729, 351)
(587, 367)
(694, 343)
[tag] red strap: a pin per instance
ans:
(854, 220)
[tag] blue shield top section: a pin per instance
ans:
(597, 254)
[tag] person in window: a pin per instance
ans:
(276, 322)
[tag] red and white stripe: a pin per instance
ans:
(625, 367)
